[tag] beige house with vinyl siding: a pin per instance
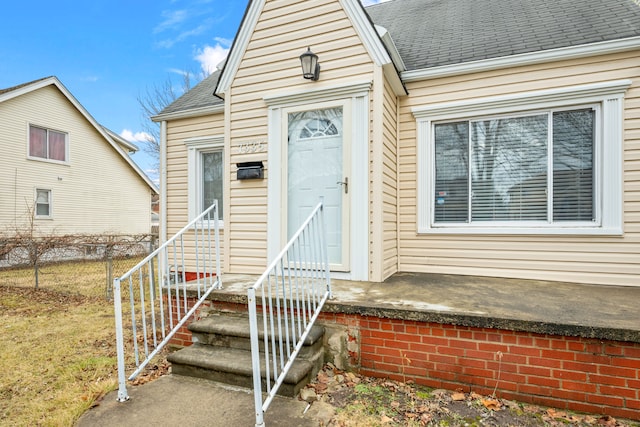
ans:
(508, 146)
(59, 165)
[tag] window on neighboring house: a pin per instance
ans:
(47, 144)
(551, 165)
(205, 174)
(534, 167)
(43, 203)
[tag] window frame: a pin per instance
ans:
(607, 163)
(48, 158)
(50, 203)
(195, 148)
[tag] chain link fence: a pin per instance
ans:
(79, 266)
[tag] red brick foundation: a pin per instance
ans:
(580, 374)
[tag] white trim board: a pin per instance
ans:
(564, 53)
(358, 95)
(610, 95)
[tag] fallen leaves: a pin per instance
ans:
(491, 404)
(457, 397)
(153, 371)
(363, 401)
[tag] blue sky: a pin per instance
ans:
(108, 52)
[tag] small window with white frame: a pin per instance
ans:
(43, 203)
(205, 174)
(48, 144)
(547, 164)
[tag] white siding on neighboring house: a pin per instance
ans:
(605, 259)
(96, 191)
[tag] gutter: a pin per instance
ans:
(563, 53)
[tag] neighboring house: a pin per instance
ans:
(495, 138)
(59, 165)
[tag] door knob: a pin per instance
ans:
(345, 185)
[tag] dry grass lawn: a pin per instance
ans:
(57, 346)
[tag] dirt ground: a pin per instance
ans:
(364, 401)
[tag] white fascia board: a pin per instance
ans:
(573, 52)
(393, 77)
(240, 45)
(194, 112)
(386, 38)
(366, 31)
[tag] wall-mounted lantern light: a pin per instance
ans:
(310, 66)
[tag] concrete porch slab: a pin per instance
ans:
(557, 308)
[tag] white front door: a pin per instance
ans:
(316, 167)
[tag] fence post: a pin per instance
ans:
(109, 290)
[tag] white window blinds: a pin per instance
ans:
(529, 168)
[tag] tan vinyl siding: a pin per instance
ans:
(271, 66)
(96, 192)
(585, 259)
(389, 183)
(178, 132)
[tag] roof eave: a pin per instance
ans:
(193, 112)
(131, 147)
(571, 52)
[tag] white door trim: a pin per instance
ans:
(358, 97)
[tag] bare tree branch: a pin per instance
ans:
(156, 98)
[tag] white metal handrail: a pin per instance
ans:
(292, 292)
(157, 288)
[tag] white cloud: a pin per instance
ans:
(210, 57)
(200, 29)
(136, 137)
(172, 19)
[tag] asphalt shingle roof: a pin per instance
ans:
(431, 33)
(201, 95)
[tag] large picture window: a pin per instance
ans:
(538, 162)
(47, 144)
(534, 167)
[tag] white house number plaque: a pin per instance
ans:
(252, 147)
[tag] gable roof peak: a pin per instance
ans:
(34, 85)
(354, 10)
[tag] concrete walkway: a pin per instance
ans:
(174, 400)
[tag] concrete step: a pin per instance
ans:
(233, 366)
(221, 352)
(232, 330)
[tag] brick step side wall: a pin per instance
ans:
(574, 373)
